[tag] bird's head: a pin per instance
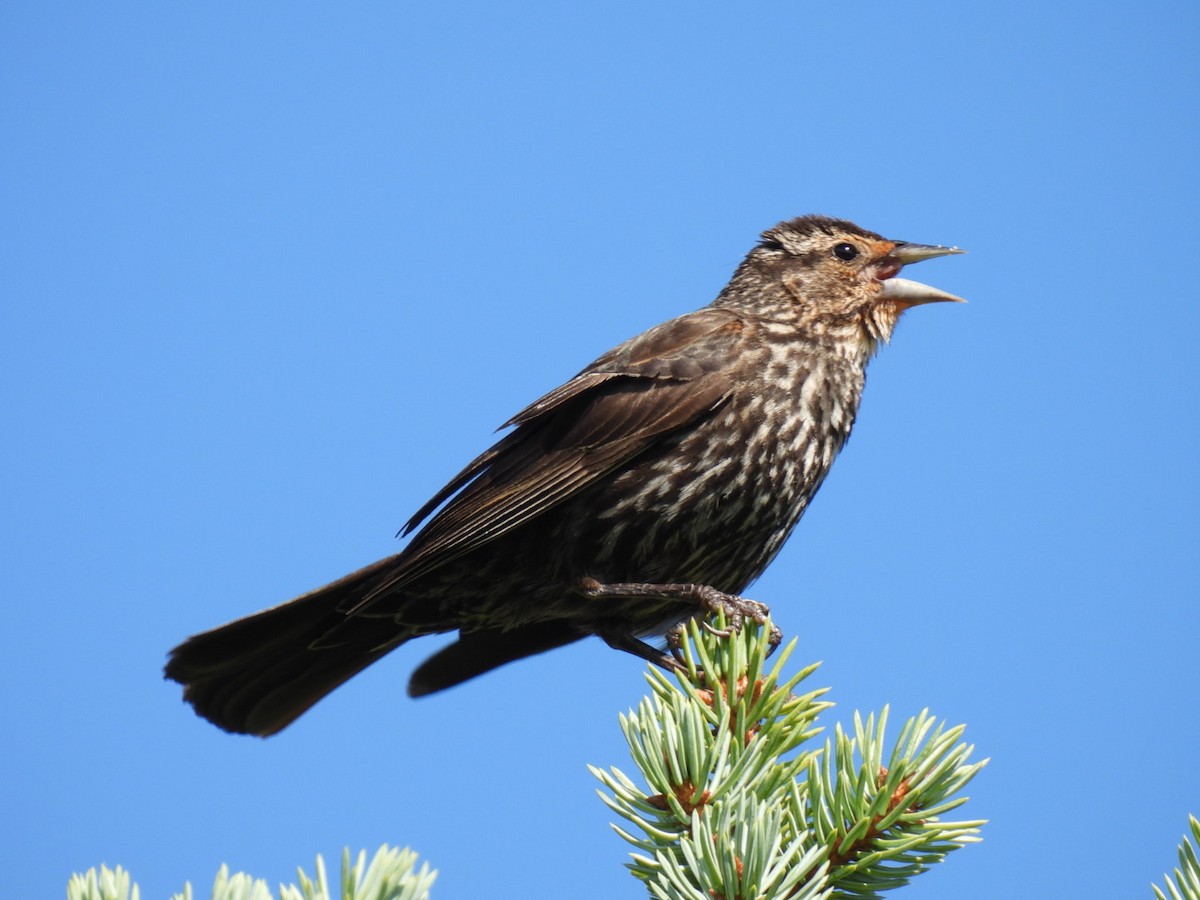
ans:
(830, 275)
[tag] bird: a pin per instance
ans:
(650, 489)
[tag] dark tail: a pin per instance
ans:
(257, 675)
(481, 651)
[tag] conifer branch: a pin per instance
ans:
(739, 804)
(1186, 883)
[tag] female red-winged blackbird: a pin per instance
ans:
(653, 486)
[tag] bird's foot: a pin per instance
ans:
(710, 601)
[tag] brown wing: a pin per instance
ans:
(612, 411)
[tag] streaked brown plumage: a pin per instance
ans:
(656, 484)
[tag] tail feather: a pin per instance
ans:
(258, 674)
(477, 652)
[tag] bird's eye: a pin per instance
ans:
(845, 252)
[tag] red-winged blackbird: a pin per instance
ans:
(653, 486)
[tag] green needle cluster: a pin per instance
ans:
(740, 802)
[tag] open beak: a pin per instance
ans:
(913, 293)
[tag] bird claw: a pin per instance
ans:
(675, 636)
(719, 632)
(774, 639)
(736, 609)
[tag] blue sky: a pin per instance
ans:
(271, 273)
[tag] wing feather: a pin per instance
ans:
(616, 409)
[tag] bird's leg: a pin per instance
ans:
(707, 598)
(672, 660)
(620, 640)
